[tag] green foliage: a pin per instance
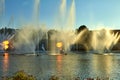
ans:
(54, 78)
(21, 75)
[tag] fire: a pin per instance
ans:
(59, 44)
(5, 44)
(6, 47)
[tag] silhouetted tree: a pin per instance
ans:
(7, 31)
(81, 28)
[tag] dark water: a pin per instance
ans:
(66, 67)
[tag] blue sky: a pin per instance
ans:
(93, 13)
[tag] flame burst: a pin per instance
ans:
(59, 44)
(5, 44)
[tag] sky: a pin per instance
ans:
(92, 13)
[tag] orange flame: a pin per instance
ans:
(5, 44)
(59, 44)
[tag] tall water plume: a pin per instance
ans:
(2, 9)
(28, 37)
(63, 12)
(67, 23)
(71, 16)
(67, 33)
(36, 12)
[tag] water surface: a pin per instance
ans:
(66, 67)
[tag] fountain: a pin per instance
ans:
(100, 41)
(2, 8)
(26, 39)
(29, 38)
(104, 40)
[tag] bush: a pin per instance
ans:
(21, 75)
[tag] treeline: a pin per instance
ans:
(7, 30)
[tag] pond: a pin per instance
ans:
(66, 67)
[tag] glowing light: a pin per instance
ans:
(59, 58)
(5, 44)
(6, 47)
(59, 44)
(6, 55)
(5, 62)
(59, 63)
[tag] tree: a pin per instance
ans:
(81, 28)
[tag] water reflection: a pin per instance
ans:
(102, 65)
(5, 63)
(67, 67)
(59, 64)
